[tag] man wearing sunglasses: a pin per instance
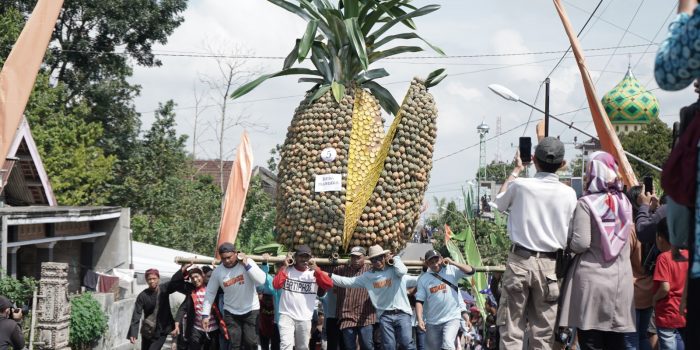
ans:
(386, 285)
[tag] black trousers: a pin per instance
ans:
(600, 340)
(153, 343)
(242, 330)
(201, 340)
(272, 343)
(334, 337)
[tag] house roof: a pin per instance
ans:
(23, 175)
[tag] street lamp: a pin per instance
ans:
(509, 95)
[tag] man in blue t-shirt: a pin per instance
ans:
(438, 295)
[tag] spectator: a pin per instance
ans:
(678, 59)
(10, 326)
(540, 212)
(643, 282)
(238, 276)
(597, 297)
(154, 304)
(299, 286)
(669, 283)
(386, 285)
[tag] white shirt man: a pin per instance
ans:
(540, 213)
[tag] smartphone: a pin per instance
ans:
(525, 146)
(649, 184)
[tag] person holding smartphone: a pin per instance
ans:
(540, 209)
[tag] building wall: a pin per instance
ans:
(114, 249)
(119, 319)
(69, 252)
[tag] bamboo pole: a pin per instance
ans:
(411, 264)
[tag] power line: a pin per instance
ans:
(194, 54)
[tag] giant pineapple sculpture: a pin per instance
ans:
(384, 175)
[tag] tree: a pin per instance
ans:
(651, 143)
(78, 169)
(258, 218)
(274, 159)
(497, 171)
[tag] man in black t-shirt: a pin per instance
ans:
(10, 331)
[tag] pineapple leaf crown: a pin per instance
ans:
(343, 40)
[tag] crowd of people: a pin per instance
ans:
(608, 270)
(372, 302)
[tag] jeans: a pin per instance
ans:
(365, 335)
(442, 336)
(396, 330)
(669, 339)
(639, 340)
(420, 338)
(153, 344)
(242, 330)
(294, 333)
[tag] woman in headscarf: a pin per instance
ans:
(597, 297)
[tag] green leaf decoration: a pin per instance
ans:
(320, 92)
(386, 100)
(357, 40)
(420, 12)
(338, 91)
(246, 88)
(371, 75)
(307, 39)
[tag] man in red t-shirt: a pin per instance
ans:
(669, 282)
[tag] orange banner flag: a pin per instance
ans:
(608, 139)
(236, 191)
(448, 233)
(21, 67)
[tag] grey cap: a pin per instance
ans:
(357, 251)
(550, 150)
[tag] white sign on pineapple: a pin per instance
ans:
(328, 182)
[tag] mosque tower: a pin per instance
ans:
(629, 105)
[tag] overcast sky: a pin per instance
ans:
(460, 28)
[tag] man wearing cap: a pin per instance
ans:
(438, 295)
(154, 303)
(354, 311)
(540, 211)
(10, 322)
(386, 285)
(238, 276)
(299, 283)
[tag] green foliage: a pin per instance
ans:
(79, 171)
(651, 143)
(19, 291)
(258, 218)
(169, 207)
(493, 242)
(88, 323)
(497, 171)
(577, 167)
(344, 39)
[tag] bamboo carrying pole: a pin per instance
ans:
(411, 264)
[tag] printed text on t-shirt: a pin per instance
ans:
(299, 286)
(382, 284)
(235, 280)
(440, 287)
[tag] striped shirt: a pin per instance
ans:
(353, 308)
(198, 301)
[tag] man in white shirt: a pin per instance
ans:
(238, 276)
(299, 283)
(540, 209)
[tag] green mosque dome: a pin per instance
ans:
(630, 103)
